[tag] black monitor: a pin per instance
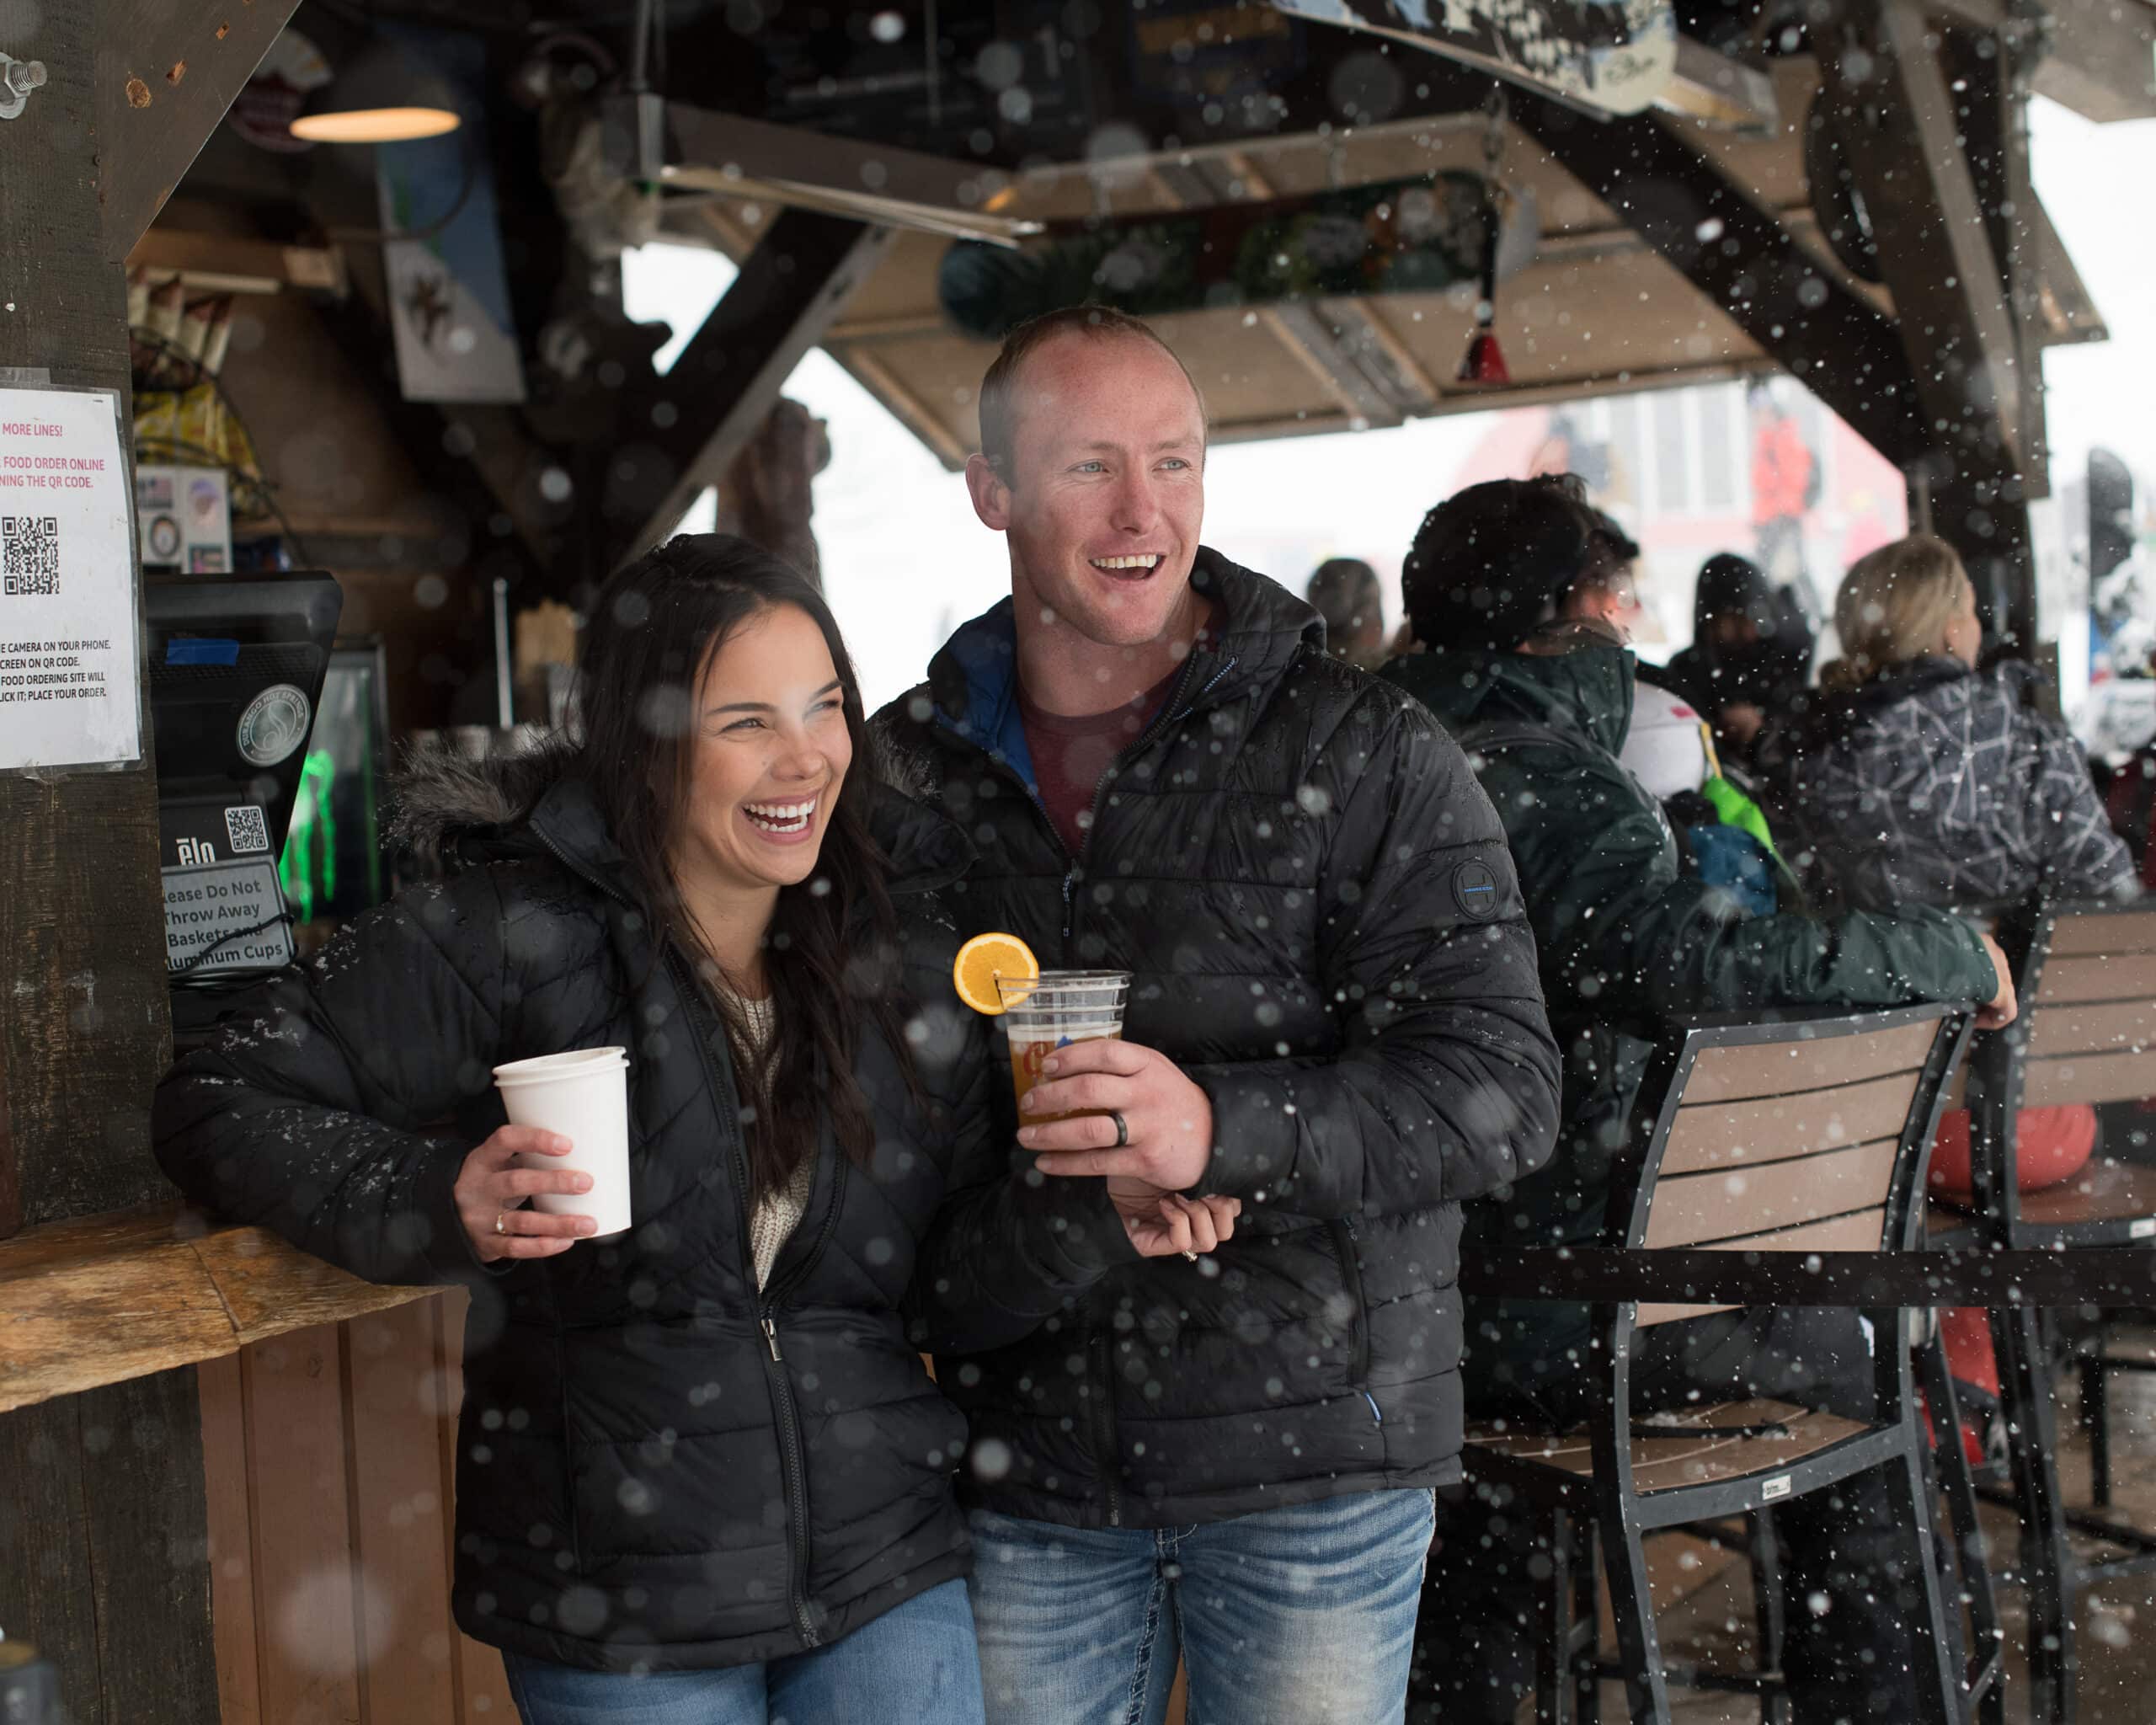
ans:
(235, 667)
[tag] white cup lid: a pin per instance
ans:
(571, 1063)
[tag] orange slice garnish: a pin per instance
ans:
(983, 961)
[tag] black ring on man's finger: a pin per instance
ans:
(1122, 1128)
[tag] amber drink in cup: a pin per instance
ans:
(1053, 1011)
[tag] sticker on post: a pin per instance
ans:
(1778, 1487)
(2141, 1229)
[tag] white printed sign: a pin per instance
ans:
(226, 916)
(69, 694)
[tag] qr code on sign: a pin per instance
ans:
(247, 829)
(29, 554)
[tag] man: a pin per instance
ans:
(1750, 656)
(1344, 591)
(1538, 689)
(1666, 747)
(1333, 1017)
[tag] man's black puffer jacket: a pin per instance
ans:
(638, 1481)
(1325, 932)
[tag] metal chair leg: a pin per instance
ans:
(1769, 1615)
(1586, 1616)
(2047, 1562)
(1972, 1567)
(1937, 1678)
(2096, 1423)
(1638, 1647)
(1553, 1603)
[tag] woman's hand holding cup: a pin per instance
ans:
(491, 1186)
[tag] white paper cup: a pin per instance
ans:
(583, 1095)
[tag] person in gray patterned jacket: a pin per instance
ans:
(1913, 777)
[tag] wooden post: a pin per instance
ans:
(103, 1517)
(83, 1021)
(1935, 155)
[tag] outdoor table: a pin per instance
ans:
(2115, 1276)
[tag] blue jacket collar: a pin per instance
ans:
(973, 682)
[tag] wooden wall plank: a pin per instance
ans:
(231, 1539)
(482, 1696)
(46, 1594)
(303, 1593)
(145, 1519)
(102, 1563)
(400, 1512)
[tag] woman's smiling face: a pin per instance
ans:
(770, 748)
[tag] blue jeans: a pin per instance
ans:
(914, 1665)
(1289, 1616)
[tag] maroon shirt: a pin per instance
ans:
(1070, 755)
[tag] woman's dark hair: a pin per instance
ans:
(654, 627)
(1492, 563)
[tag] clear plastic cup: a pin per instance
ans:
(583, 1095)
(1061, 1007)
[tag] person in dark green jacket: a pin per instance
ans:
(1501, 592)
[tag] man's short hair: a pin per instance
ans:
(1492, 564)
(998, 398)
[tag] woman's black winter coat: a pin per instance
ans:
(657, 1464)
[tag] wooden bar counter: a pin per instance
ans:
(328, 1432)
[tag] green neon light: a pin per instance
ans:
(308, 867)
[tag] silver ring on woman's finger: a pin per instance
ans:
(501, 1225)
(1122, 1128)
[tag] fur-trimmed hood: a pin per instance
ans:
(441, 798)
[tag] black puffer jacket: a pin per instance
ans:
(1326, 934)
(638, 1479)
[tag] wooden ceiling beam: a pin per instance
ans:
(2100, 56)
(1914, 138)
(791, 290)
(166, 72)
(1747, 263)
(1903, 141)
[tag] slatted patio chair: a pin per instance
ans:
(1799, 1135)
(2086, 977)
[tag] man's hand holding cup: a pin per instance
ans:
(1133, 1117)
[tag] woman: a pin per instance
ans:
(702, 1475)
(1915, 779)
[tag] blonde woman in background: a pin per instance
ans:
(1915, 778)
